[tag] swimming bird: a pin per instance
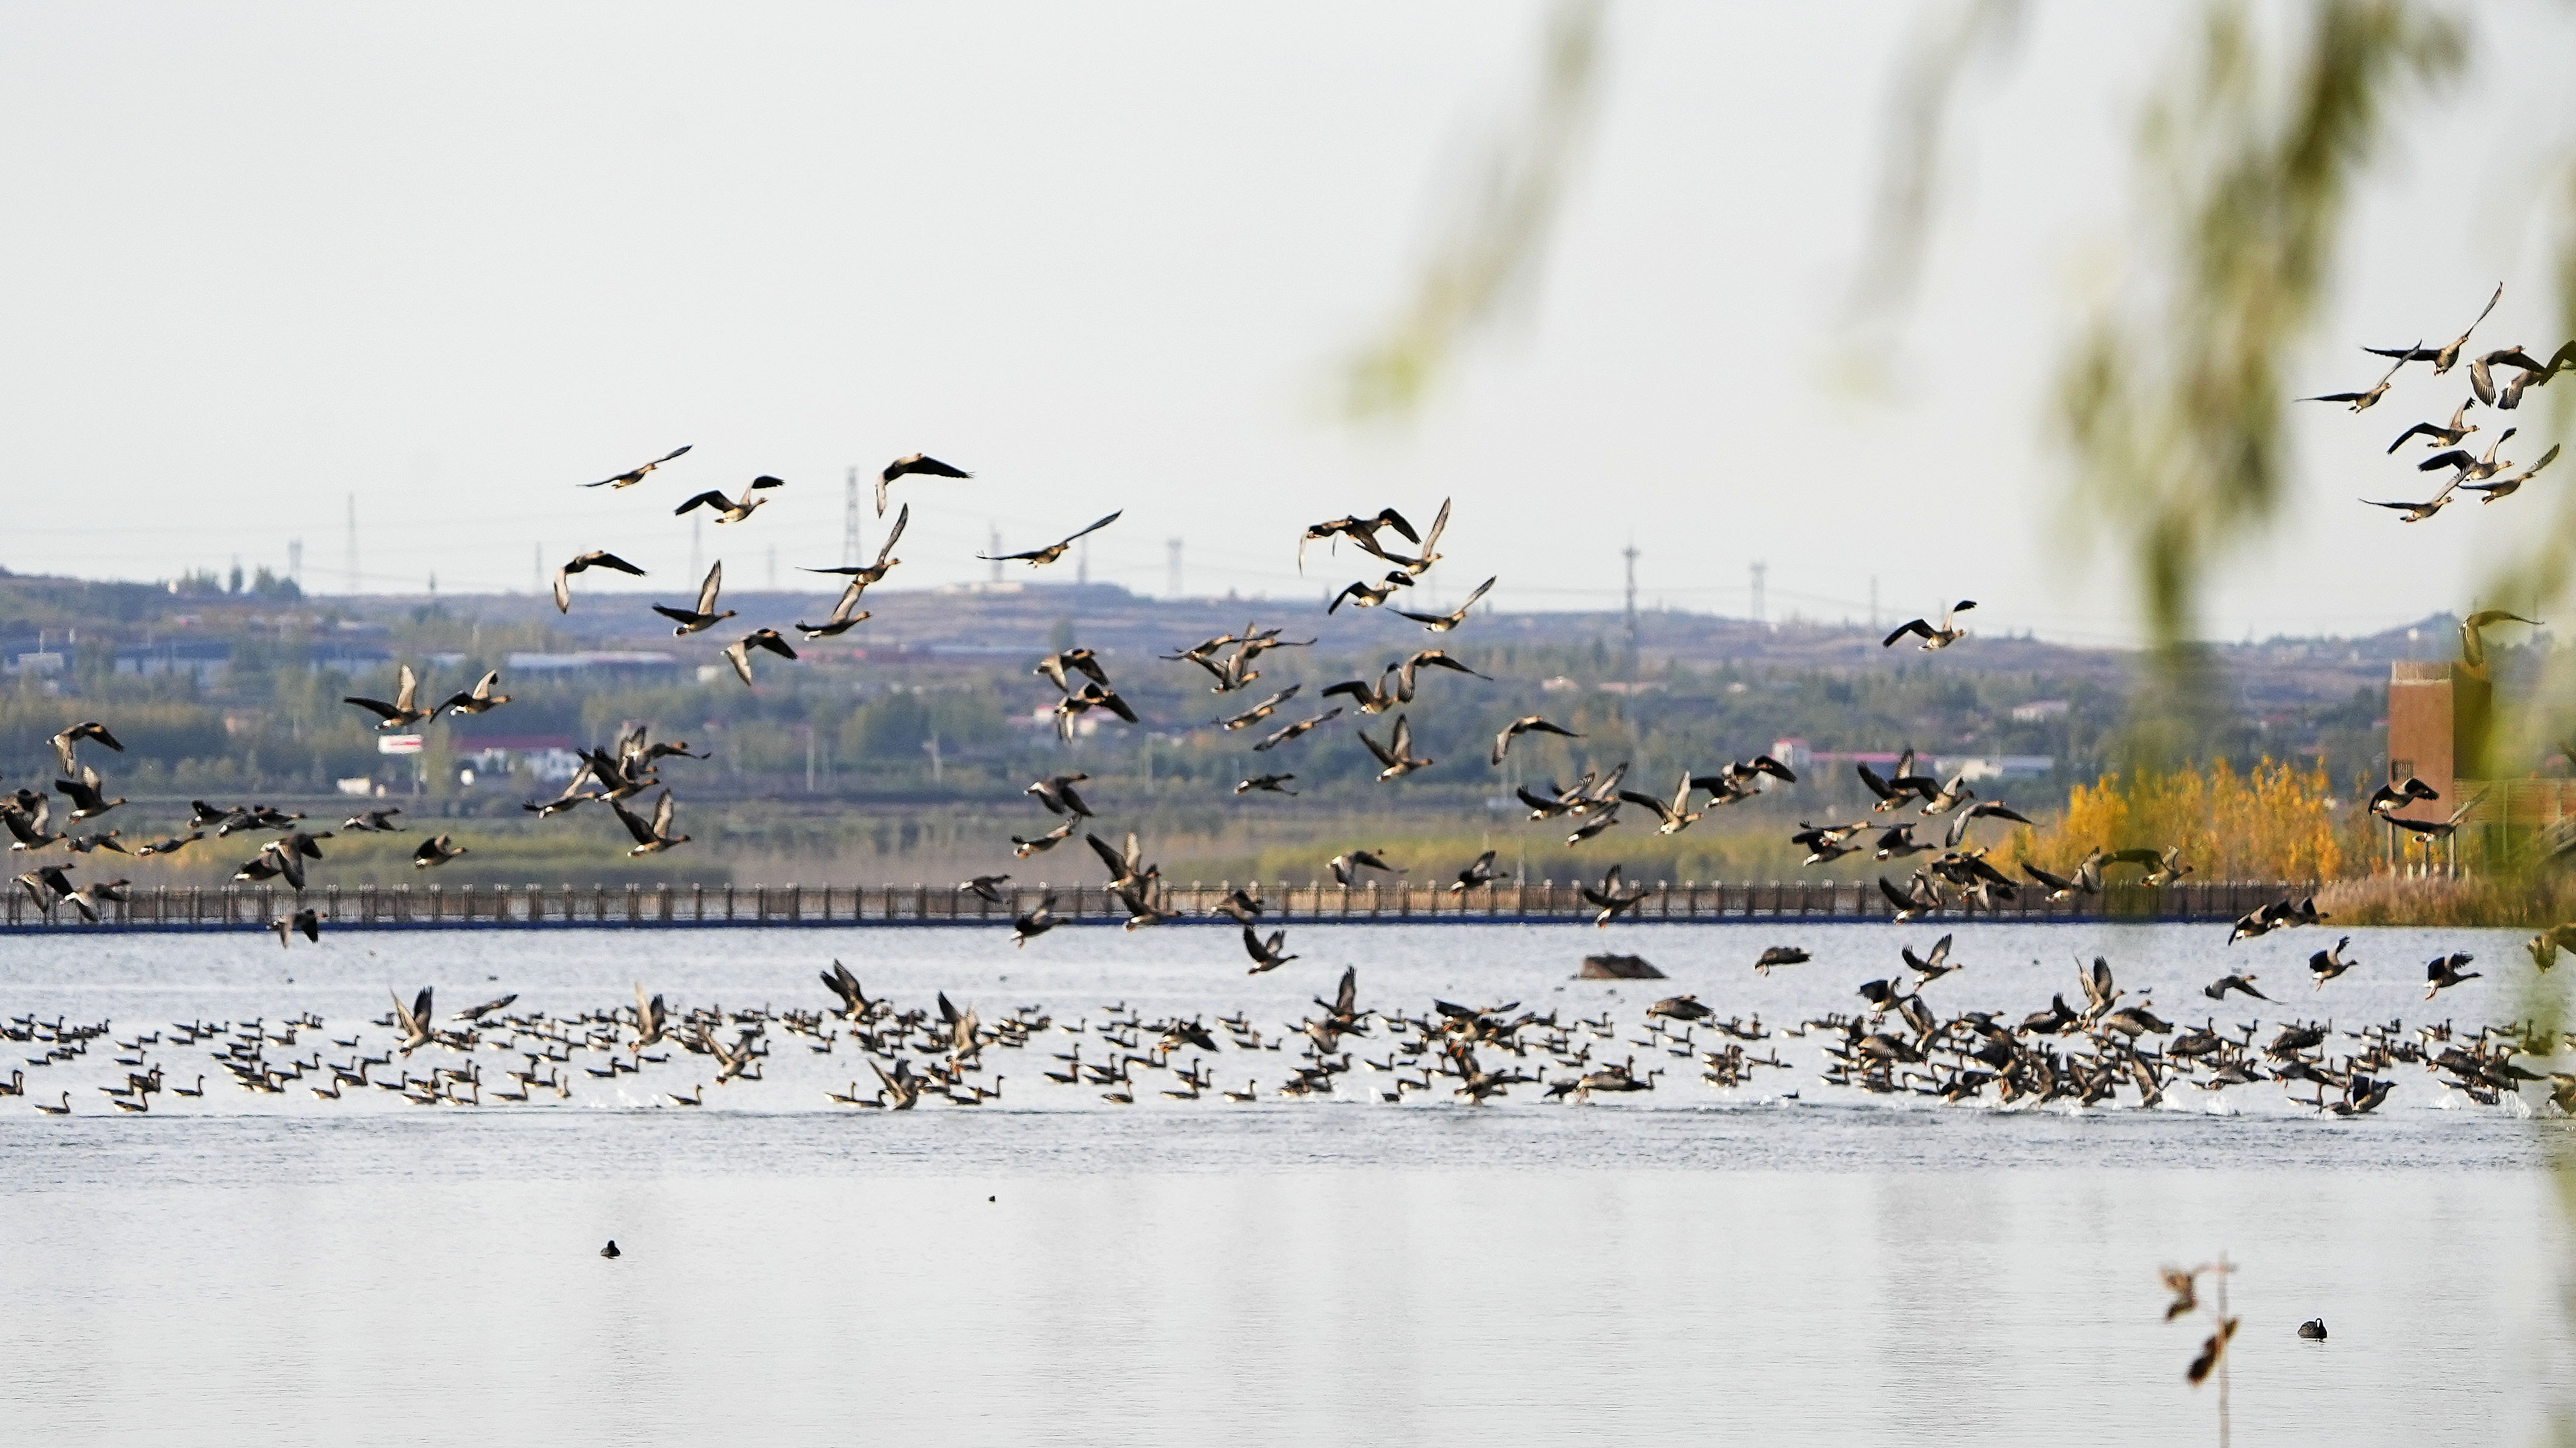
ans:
(610, 1251)
(2325, 965)
(1444, 622)
(1270, 783)
(2444, 972)
(1298, 728)
(583, 564)
(1266, 955)
(2442, 436)
(1397, 753)
(2363, 401)
(2313, 1330)
(478, 700)
(633, 476)
(730, 510)
(704, 616)
(650, 837)
(437, 851)
(2508, 486)
(915, 465)
(1038, 557)
(402, 711)
(2444, 356)
(63, 1110)
(1933, 638)
(738, 653)
(1527, 724)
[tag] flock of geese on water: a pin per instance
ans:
(2110, 1050)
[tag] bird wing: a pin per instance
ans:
(636, 824)
(1916, 626)
(1402, 743)
(713, 585)
(410, 686)
(769, 639)
(1481, 589)
(739, 656)
(563, 592)
(901, 517)
(1377, 749)
(1096, 527)
(662, 816)
(715, 500)
(2458, 457)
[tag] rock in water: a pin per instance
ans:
(1618, 967)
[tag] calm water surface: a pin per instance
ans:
(1686, 1265)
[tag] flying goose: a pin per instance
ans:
(986, 887)
(728, 510)
(1023, 848)
(1357, 529)
(738, 653)
(2482, 381)
(1270, 783)
(1369, 699)
(1771, 956)
(928, 467)
(1920, 897)
(2444, 972)
(1406, 672)
(2327, 964)
(2508, 486)
(2441, 357)
(1059, 667)
(1127, 867)
(1298, 728)
(1419, 564)
(88, 800)
(583, 564)
(631, 478)
(1397, 753)
(2545, 946)
(1897, 841)
(436, 851)
(103, 840)
(2418, 512)
(414, 1021)
(1057, 793)
(1479, 871)
(1444, 622)
(69, 740)
(402, 712)
(375, 820)
(1266, 955)
(2433, 829)
(2469, 468)
(1035, 923)
(650, 837)
(1039, 557)
(170, 846)
(843, 618)
(861, 575)
(478, 700)
(1934, 638)
(1090, 696)
(1992, 809)
(1262, 710)
(1676, 816)
(1612, 898)
(2401, 795)
(2442, 436)
(89, 897)
(1346, 868)
(2217, 990)
(1363, 594)
(855, 1004)
(2362, 401)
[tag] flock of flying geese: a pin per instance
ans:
(2469, 471)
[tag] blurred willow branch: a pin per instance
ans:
(2172, 397)
(1492, 248)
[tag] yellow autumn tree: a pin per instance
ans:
(2274, 822)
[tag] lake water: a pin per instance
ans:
(1784, 1262)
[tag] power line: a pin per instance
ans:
(1631, 555)
(1759, 569)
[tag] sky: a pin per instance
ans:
(451, 262)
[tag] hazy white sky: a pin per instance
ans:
(457, 259)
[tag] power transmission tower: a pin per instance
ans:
(1171, 568)
(1631, 555)
(994, 551)
(351, 556)
(295, 561)
(850, 523)
(1759, 569)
